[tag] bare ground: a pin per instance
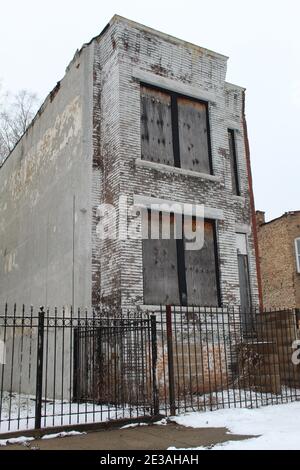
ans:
(153, 437)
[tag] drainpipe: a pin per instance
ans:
(252, 205)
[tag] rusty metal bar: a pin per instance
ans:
(39, 369)
(170, 360)
(154, 366)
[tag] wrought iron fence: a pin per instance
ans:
(210, 358)
(64, 368)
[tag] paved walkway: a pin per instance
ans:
(152, 437)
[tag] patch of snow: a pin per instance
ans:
(162, 422)
(62, 434)
(276, 427)
(17, 413)
(15, 440)
(134, 425)
(237, 398)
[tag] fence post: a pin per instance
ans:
(76, 365)
(297, 312)
(39, 370)
(154, 366)
(170, 360)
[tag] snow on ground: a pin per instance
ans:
(277, 427)
(134, 425)
(238, 398)
(63, 434)
(23, 440)
(15, 440)
(21, 411)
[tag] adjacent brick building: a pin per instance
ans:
(145, 116)
(279, 252)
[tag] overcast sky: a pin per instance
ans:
(262, 38)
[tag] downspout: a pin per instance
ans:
(252, 205)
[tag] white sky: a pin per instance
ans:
(262, 38)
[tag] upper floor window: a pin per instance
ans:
(233, 163)
(297, 246)
(175, 130)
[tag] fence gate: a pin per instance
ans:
(115, 362)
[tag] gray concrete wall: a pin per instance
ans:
(19, 374)
(47, 170)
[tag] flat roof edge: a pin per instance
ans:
(233, 85)
(117, 18)
(286, 214)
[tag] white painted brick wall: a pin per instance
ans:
(124, 47)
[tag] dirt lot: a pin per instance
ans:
(153, 437)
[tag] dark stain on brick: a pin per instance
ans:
(125, 41)
(137, 47)
(222, 151)
(159, 70)
(185, 78)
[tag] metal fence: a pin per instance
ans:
(63, 368)
(210, 358)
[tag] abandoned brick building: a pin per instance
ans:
(279, 251)
(149, 117)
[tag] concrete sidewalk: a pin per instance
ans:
(152, 437)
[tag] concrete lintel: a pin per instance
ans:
(146, 202)
(173, 85)
(178, 171)
(243, 228)
(237, 126)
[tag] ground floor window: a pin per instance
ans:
(172, 272)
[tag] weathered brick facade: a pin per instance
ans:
(104, 162)
(280, 279)
(128, 54)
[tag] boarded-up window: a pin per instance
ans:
(175, 130)
(172, 273)
(233, 162)
(193, 135)
(159, 263)
(156, 126)
(201, 271)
